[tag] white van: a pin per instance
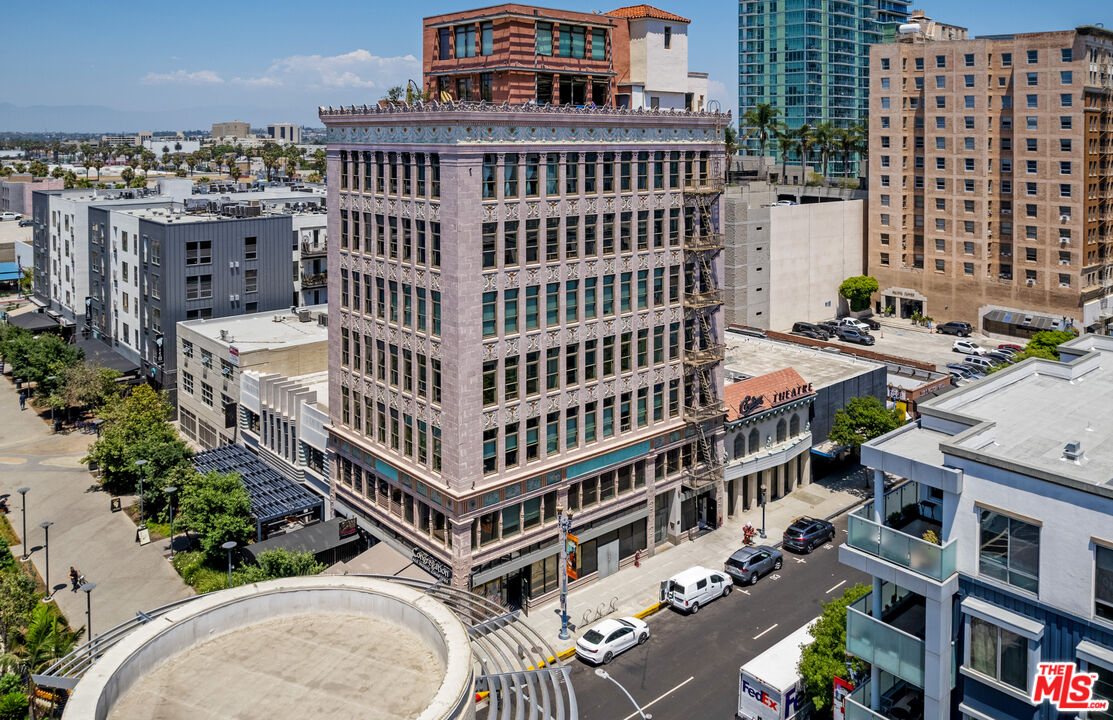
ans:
(696, 586)
(978, 362)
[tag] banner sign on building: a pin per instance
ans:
(434, 566)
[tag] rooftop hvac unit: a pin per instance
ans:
(305, 315)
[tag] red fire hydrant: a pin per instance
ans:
(637, 558)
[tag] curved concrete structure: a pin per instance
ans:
(290, 648)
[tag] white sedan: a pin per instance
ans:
(601, 643)
(968, 348)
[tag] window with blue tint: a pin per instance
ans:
(544, 38)
(444, 46)
(465, 41)
(487, 39)
(1066, 77)
(564, 39)
(1067, 54)
(598, 44)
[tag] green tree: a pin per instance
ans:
(730, 144)
(37, 168)
(216, 507)
(395, 94)
(825, 135)
(7, 560)
(57, 172)
(279, 563)
(37, 358)
(19, 168)
(13, 705)
(314, 177)
(17, 599)
(136, 427)
(847, 142)
(805, 139)
(863, 419)
(320, 162)
(1046, 344)
(85, 386)
(48, 638)
(786, 143)
(761, 119)
(857, 291)
(27, 281)
(127, 175)
(826, 656)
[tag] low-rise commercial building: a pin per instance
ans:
(15, 192)
(235, 129)
(835, 377)
(212, 355)
(997, 555)
(284, 132)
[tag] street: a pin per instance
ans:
(689, 667)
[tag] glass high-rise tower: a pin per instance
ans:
(809, 59)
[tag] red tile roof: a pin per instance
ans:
(766, 391)
(637, 12)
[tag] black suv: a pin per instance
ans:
(811, 330)
(962, 329)
(806, 534)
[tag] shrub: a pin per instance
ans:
(7, 560)
(13, 706)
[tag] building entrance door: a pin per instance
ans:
(608, 559)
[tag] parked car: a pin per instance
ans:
(871, 323)
(806, 534)
(979, 362)
(807, 327)
(813, 334)
(611, 637)
(958, 378)
(855, 336)
(10, 216)
(696, 586)
(1009, 346)
(967, 370)
(831, 326)
(854, 323)
(999, 357)
(26, 222)
(966, 347)
(750, 563)
(1006, 351)
(962, 329)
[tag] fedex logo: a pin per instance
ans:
(760, 695)
(1067, 689)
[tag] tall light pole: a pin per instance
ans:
(564, 523)
(45, 525)
(170, 495)
(23, 493)
(229, 546)
(606, 676)
(762, 491)
(139, 464)
(88, 588)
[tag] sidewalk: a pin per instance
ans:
(86, 534)
(635, 589)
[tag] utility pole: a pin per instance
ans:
(564, 523)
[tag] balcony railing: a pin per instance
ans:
(926, 558)
(314, 279)
(314, 248)
(883, 645)
(702, 243)
(708, 298)
(896, 696)
(704, 355)
(705, 185)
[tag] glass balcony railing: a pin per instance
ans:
(898, 699)
(901, 507)
(883, 645)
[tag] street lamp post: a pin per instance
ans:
(606, 676)
(763, 513)
(45, 525)
(88, 588)
(229, 546)
(139, 464)
(23, 493)
(170, 495)
(564, 524)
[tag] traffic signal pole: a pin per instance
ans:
(564, 523)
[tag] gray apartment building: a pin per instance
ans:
(526, 315)
(151, 268)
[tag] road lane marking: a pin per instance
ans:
(662, 697)
(744, 592)
(775, 576)
(765, 631)
(800, 560)
(835, 588)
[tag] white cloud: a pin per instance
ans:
(181, 77)
(356, 69)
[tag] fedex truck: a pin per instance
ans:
(770, 687)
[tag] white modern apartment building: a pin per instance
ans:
(997, 554)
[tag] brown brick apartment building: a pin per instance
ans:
(991, 166)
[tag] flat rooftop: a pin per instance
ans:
(317, 381)
(1025, 415)
(260, 331)
(177, 215)
(753, 356)
(288, 668)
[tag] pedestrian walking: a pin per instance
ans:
(75, 578)
(22, 401)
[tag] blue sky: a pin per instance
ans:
(187, 65)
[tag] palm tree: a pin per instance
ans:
(825, 143)
(786, 143)
(47, 639)
(730, 144)
(805, 138)
(762, 119)
(98, 163)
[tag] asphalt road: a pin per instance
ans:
(688, 670)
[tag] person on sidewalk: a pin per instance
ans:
(74, 578)
(22, 401)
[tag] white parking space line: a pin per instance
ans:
(662, 697)
(801, 560)
(765, 630)
(835, 588)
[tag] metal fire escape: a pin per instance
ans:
(703, 347)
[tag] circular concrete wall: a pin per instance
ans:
(289, 648)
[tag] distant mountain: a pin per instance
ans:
(102, 119)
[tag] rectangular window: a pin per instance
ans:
(251, 282)
(250, 248)
(998, 653)
(199, 287)
(552, 369)
(487, 38)
(571, 301)
(465, 41)
(1009, 550)
(199, 252)
(598, 44)
(543, 34)
(1103, 582)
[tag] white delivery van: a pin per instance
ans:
(769, 686)
(697, 586)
